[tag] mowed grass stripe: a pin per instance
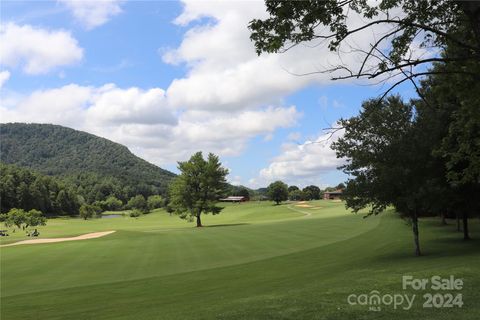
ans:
(131, 255)
(311, 284)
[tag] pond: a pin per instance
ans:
(109, 216)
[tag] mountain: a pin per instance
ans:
(81, 158)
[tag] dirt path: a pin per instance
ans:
(307, 214)
(52, 240)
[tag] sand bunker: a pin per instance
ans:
(51, 240)
(303, 205)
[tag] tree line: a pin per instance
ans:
(421, 156)
(279, 191)
(24, 189)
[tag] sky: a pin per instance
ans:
(168, 78)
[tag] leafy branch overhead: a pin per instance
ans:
(431, 25)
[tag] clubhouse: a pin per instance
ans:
(233, 199)
(332, 195)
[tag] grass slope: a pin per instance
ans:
(255, 261)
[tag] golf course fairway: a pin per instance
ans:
(253, 261)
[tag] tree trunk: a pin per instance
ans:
(466, 236)
(415, 233)
(199, 222)
(472, 11)
(444, 218)
(458, 222)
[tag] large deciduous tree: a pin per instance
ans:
(34, 218)
(23, 219)
(384, 160)
(278, 191)
(450, 120)
(311, 192)
(87, 211)
(198, 187)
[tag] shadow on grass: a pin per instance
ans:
(433, 249)
(227, 225)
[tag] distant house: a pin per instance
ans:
(234, 199)
(332, 195)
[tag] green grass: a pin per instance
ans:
(253, 261)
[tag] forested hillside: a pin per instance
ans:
(96, 166)
(25, 189)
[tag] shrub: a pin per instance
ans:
(155, 202)
(138, 202)
(135, 213)
(88, 211)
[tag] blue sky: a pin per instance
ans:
(169, 78)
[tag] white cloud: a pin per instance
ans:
(226, 134)
(4, 76)
(142, 120)
(304, 163)
(92, 14)
(234, 180)
(113, 106)
(85, 107)
(37, 50)
(224, 70)
(63, 105)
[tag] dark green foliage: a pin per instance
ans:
(340, 186)
(296, 195)
(449, 117)
(240, 191)
(34, 218)
(14, 218)
(396, 155)
(135, 213)
(110, 204)
(293, 188)
(23, 219)
(96, 166)
(379, 148)
(26, 189)
(88, 211)
(198, 187)
(386, 159)
(113, 203)
(155, 202)
(138, 202)
(311, 192)
(278, 191)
